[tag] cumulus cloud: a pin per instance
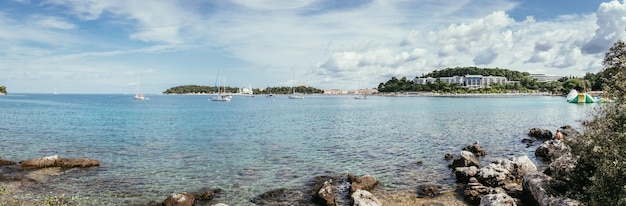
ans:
(485, 57)
(611, 24)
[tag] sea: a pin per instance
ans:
(179, 143)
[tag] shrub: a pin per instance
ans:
(599, 177)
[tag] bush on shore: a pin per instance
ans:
(599, 177)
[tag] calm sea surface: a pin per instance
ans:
(175, 143)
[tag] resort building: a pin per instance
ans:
(471, 81)
(545, 77)
(424, 80)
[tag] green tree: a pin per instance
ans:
(599, 177)
(3, 90)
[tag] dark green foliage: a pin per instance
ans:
(196, 89)
(3, 90)
(599, 178)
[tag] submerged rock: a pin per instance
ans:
(6, 162)
(179, 199)
(428, 190)
(56, 161)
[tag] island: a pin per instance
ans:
(3, 90)
(198, 89)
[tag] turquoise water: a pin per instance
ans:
(174, 143)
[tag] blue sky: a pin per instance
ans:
(93, 46)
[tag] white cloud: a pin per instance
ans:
(611, 26)
(369, 41)
(54, 22)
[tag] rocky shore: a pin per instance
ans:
(512, 181)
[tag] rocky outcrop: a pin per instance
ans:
(364, 198)
(494, 175)
(467, 159)
(56, 161)
(179, 199)
(365, 182)
(552, 149)
(428, 190)
(500, 177)
(540, 187)
(517, 166)
(474, 191)
(562, 165)
(541, 134)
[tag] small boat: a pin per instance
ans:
(295, 95)
(220, 97)
(360, 96)
(574, 97)
(138, 95)
(250, 92)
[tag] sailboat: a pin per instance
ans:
(250, 92)
(220, 97)
(358, 93)
(295, 95)
(138, 95)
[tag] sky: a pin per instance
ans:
(117, 46)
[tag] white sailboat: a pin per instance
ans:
(358, 93)
(219, 97)
(250, 92)
(138, 95)
(295, 95)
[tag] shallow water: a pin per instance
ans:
(175, 143)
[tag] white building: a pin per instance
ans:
(466, 81)
(452, 80)
(424, 80)
(545, 77)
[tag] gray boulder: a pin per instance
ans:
(494, 175)
(364, 198)
(562, 165)
(326, 193)
(463, 174)
(497, 200)
(517, 167)
(538, 186)
(474, 191)
(467, 159)
(542, 134)
(365, 182)
(552, 149)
